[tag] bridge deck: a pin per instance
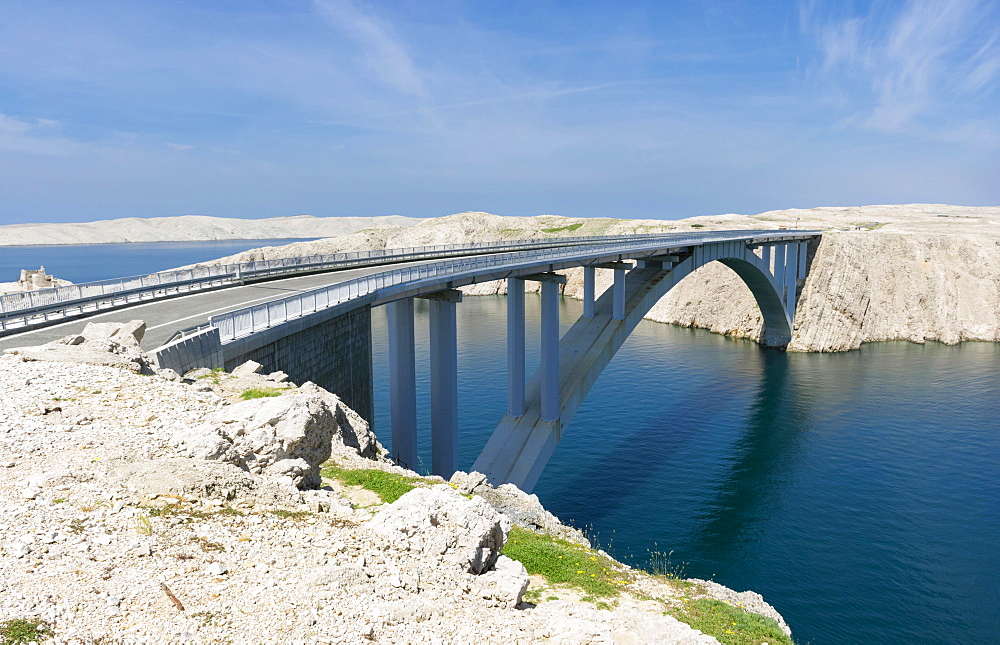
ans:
(164, 317)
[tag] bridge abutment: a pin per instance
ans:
(335, 354)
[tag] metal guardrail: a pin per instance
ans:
(244, 322)
(19, 310)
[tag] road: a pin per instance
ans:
(164, 317)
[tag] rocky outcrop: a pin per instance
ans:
(862, 287)
(284, 436)
(438, 520)
(519, 507)
(109, 344)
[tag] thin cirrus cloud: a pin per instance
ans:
(357, 107)
(914, 62)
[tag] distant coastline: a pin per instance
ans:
(191, 228)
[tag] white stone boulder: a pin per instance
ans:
(521, 508)
(247, 368)
(439, 522)
(107, 344)
(289, 435)
(504, 585)
(353, 431)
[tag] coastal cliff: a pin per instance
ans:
(908, 272)
(242, 508)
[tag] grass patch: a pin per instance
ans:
(571, 227)
(20, 630)
(562, 562)
(697, 226)
(260, 393)
(730, 625)
(388, 486)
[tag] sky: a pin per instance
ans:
(247, 108)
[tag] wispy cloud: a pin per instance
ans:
(34, 137)
(179, 146)
(911, 63)
(382, 51)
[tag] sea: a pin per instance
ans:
(858, 492)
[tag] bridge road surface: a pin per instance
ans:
(164, 317)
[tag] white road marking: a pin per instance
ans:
(234, 306)
(159, 301)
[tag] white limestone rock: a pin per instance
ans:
(441, 522)
(521, 508)
(505, 584)
(250, 367)
(104, 344)
(263, 432)
(290, 435)
(353, 431)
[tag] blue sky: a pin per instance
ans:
(430, 107)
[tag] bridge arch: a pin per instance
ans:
(526, 438)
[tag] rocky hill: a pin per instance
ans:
(190, 228)
(141, 508)
(905, 272)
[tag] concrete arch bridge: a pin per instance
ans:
(324, 334)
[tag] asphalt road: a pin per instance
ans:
(164, 317)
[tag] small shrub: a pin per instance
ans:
(20, 630)
(562, 562)
(388, 486)
(260, 393)
(697, 226)
(571, 227)
(730, 625)
(144, 525)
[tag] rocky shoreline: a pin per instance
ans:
(145, 507)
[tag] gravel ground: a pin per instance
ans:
(109, 535)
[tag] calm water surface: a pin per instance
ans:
(858, 492)
(89, 262)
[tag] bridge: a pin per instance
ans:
(311, 317)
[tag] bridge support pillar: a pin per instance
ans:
(588, 292)
(444, 387)
(618, 309)
(550, 351)
(779, 270)
(765, 256)
(515, 347)
(803, 251)
(402, 383)
(791, 273)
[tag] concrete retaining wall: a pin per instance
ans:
(334, 351)
(203, 349)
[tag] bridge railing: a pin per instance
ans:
(25, 308)
(248, 320)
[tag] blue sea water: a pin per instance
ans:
(90, 262)
(858, 492)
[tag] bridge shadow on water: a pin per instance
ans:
(742, 417)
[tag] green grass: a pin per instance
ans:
(571, 227)
(20, 630)
(388, 486)
(260, 393)
(697, 226)
(562, 562)
(730, 625)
